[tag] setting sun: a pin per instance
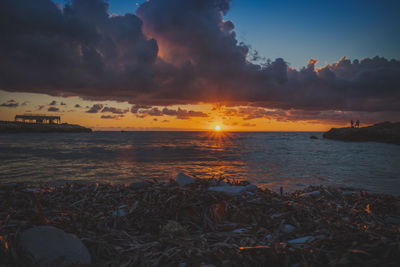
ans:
(218, 128)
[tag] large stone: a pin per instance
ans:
(183, 179)
(49, 245)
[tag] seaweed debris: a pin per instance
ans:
(165, 224)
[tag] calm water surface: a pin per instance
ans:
(287, 159)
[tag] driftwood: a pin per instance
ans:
(164, 224)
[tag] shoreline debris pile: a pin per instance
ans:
(167, 224)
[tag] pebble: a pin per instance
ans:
(239, 231)
(287, 228)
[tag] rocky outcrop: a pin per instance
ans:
(386, 132)
(20, 127)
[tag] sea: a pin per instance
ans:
(269, 159)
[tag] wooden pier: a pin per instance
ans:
(37, 118)
(33, 123)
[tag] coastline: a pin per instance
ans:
(21, 127)
(186, 223)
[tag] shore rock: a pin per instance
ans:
(385, 132)
(48, 245)
(183, 179)
(313, 137)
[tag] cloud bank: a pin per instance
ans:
(181, 114)
(172, 52)
(10, 104)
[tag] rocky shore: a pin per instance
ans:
(21, 127)
(385, 132)
(196, 222)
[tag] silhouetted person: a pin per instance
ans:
(357, 124)
(352, 124)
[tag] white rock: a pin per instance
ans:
(240, 230)
(233, 190)
(47, 244)
(183, 179)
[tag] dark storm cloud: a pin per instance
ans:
(152, 112)
(95, 108)
(79, 50)
(188, 54)
(113, 117)
(181, 114)
(10, 104)
(249, 124)
(135, 108)
(294, 115)
(114, 110)
(53, 109)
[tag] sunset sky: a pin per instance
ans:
(194, 64)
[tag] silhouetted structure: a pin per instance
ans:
(36, 118)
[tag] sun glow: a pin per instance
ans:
(218, 128)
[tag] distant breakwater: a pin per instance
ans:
(21, 127)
